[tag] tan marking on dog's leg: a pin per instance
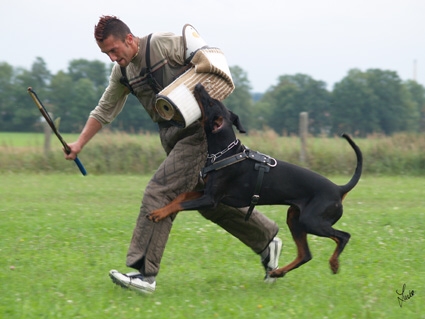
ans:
(300, 238)
(333, 261)
(173, 207)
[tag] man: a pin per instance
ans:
(186, 150)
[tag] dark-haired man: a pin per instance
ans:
(186, 150)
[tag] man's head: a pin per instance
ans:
(115, 39)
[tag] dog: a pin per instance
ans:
(239, 177)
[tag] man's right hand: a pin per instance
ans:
(75, 149)
(90, 129)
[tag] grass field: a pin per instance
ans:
(61, 234)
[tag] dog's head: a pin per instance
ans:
(215, 116)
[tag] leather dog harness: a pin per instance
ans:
(264, 162)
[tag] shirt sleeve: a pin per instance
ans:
(113, 99)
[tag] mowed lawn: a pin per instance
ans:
(61, 234)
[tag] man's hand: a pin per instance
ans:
(75, 149)
(90, 129)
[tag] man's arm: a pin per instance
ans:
(90, 129)
(110, 105)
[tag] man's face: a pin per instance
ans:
(119, 51)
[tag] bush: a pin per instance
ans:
(119, 153)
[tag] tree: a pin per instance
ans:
(95, 70)
(351, 108)
(61, 96)
(240, 101)
(6, 98)
(89, 81)
(416, 117)
(84, 100)
(390, 99)
(282, 104)
(72, 100)
(368, 102)
(133, 118)
(25, 114)
(40, 74)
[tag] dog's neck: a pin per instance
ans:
(221, 141)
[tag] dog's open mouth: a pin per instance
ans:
(217, 124)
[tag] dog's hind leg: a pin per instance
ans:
(323, 227)
(341, 238)
(300, 237)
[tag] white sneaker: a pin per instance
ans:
(272, 260)
(133, 280)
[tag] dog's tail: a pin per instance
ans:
(358, 172)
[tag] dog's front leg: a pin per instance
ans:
(173, 207)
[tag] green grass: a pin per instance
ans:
(35, 140)
(61, 234)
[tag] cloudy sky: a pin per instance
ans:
(323, 39)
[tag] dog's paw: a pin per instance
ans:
(277, 273)
(153, 217)
(334, 264)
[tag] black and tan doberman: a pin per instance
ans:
(239, 177)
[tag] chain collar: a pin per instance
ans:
(213, 157)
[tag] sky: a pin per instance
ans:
(323, 39)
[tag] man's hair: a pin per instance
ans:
(110, 25)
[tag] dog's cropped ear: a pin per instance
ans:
(236, 122)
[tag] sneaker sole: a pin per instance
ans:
(143, 290)
(117, 282)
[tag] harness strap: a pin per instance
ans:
(262, 168)
(153, 83)
(224, 163)
(124, 80)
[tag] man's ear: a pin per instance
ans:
(236, 122)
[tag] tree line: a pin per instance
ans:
(362, 103)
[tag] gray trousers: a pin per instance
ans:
(178, 173)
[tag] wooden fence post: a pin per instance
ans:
(303, 136)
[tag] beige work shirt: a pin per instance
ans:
(167, 61)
